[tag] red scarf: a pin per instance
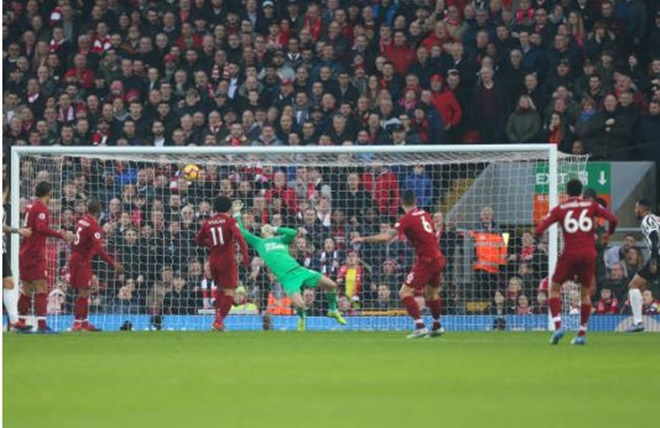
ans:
(522, 16)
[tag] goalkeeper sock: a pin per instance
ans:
(10, 299)
(24, 306)
(41, 309)
(585, 312)
(332, 300)
(635, 296)
(302, 313)
(412, 308)
(555, 311)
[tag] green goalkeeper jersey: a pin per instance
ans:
(273, 251)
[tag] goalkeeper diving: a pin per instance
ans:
(273, 248)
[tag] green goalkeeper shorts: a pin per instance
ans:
(293, 280)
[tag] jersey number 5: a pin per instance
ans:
(218, 237)
(583, 223)
(77, 240)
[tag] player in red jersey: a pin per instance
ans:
(87, 243)
(578, 258)
(426, 274)
(219, 233)
(32, 258)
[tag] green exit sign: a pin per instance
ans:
(596, 175)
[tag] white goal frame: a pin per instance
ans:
(18, 151)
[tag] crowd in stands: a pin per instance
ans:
(581, 74)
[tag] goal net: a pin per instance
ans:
(485, 202)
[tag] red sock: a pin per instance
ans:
(412, 307)
(81, 310)
(24, 306)
(217, 305)
(227, 302)
(555, 311)
(435, 306)
(40, 309)
(585, 312)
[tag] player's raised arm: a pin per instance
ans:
(381, 238)
(287, 233)
(238, 236)
(250, 238)
(607, 215)
(549, 220)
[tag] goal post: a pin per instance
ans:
(310, 188)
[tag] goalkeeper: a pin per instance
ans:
(273, 248)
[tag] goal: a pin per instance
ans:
(485, 201)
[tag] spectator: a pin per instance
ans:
(607, 133)
(384, 188)
(632, 262)
(242, 304)
(523, 307)
(490, 105)
(330, 259)
(617, 282)
(524, 124)
(351, 278)
(420, 182)
(607, 304)
(499, 309)
(177, 300)
(616, 254)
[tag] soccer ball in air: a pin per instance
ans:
(191, 172)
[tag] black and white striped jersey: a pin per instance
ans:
(650, 224)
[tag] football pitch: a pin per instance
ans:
(283, 379)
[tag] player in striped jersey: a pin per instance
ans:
(10, 292)
(651, 229)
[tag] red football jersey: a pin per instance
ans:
(218, 234)
(88, 241)
(37, 218)
(417, 226)
(576, 219)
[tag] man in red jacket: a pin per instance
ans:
(400, 53)
(384, 187)
(446, 104)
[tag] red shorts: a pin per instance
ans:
(32, 268)
(224, 272)
(80, 272)
(426, 272)
(580, 267)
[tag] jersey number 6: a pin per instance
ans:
(583, 223)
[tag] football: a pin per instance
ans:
(191, 172)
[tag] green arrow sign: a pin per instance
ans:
(597, 175)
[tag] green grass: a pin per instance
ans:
(335, 380)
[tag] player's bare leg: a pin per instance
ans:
(585, 312)
(81, 312)
(432, 296)
(41, 306)
(330, 288)
(635, 288)
(407, 295)
(223, 304)
(554, 303)
(299, 305)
